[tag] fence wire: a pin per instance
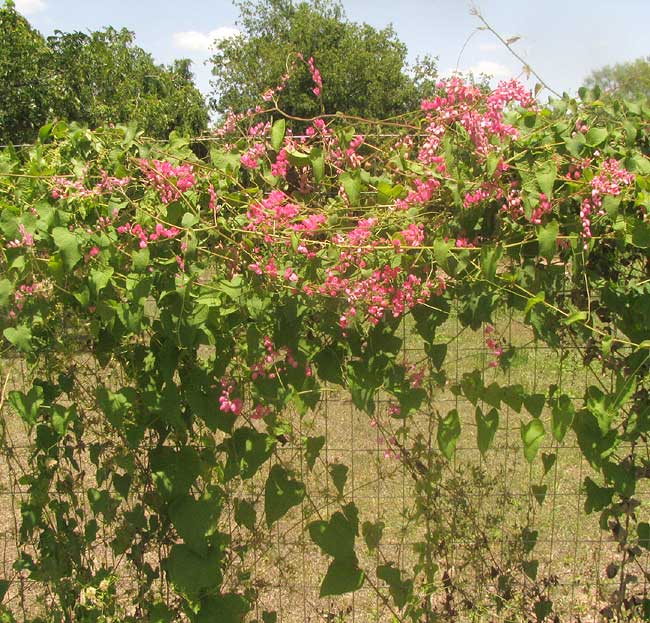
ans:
(486, 503)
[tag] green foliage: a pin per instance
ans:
(94, 79)
(25, 83)
(215, 302)
(364, 70)
(630, 80)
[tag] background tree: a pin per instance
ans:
(364, 70)
(630, 80)
(95, 79)
(107, 78)
(26, 99)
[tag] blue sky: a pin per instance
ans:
(561, 39)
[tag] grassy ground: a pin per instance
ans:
(492, 495)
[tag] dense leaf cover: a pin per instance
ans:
(220, 296)
(96, 79)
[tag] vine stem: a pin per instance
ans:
(486, 26)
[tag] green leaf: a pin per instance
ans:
(6, 290)
(269, 617)
(312, 450)
(339, 474)
(543, 608)
(576, 144)
(643, 531)
(562, 416)
(400, 590)
(4, 587)
(351, 183)
(277, 134)
(443, 256)
(27, 405)
(174, 471)
(336, 536)
(190, 572)
(534, 404)
(539, 491)
(530, 568)
(245, 514)
(529, 539)
(532, 434)
(548, 460)
(545, 175)
(140, 260)
(490, 257)
(100, 279)
(68, 245)
(448, 433)
(160, 613)
(318, 164)
(547, 239)
(486, 428)
(298, 158)
(328, 366)
(437, 354)
(246, 451)
(20, 337)
(227, 608)
(595, 136)
(576, 316)
(641, 234)
(492, 162)
(195, 519)
(372, 533)
(598, 498)
(280, 494)
(343, 576)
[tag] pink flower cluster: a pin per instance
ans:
(24, 291)
(386, 289)
(160, 231)
(544, 207)
(316, 77)
(422, 193)
(259, 129)
(496, 349)
(168, 180)
(513, 205)
(459, 103)
(274, 362)
(26, 239)
(318, 126)
(269, 94)
(275, 213)
(413, 236)
(227, 404)
(608, 182)
(415, 374)
(476, 197)
(66, 187)
(280, 167)
(250, 158)
(354, 158)
(212, 204)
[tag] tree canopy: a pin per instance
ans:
(629, 80)
(95, 79)
(364, 70)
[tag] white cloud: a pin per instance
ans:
(496, 70)
(29, 7)
(195, 41)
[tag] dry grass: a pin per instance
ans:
(288, 568)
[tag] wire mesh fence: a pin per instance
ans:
(500, 531)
